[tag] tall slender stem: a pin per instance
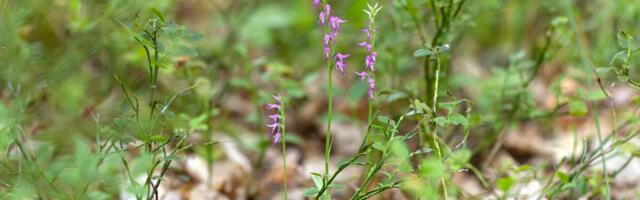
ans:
(434, 132)
(327, 144)
(372, 169)
(284, 149)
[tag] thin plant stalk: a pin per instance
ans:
(328, 143)
(434, 132)
(284, 149)
(373, 75)
(442, 23)
(372, 171)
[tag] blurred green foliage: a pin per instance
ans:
(59, 98)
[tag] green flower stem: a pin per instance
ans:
(284, 149)
(327, 143)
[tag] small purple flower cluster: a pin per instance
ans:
(339, 59)
(333, 23)
(369, 62)
(276, 124)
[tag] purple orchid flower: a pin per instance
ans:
(372, 87)
(334, 23)
(277, 137)
(340, 65)
(362, 75)
(321, 18)
(316, 4)
(273, 106)
(275, 126)
(366, 45)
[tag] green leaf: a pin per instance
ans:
(431, 168)
(141, 164)
(399, 149)
(422, 53)
(524, 167)
(460, 158)
(158, 138)
(623, 77)
(625, 40)
(505, 183)
(311, 192)
(594, 95)
(385, 119)
(336, 186)
(450, 106)
(174, 158)
(604, 70)
(441, 121)
(562, 176)
(578, 108)
(421, 151)
(420, 106)
(378, 146)
(316, 174)
(317, 180)
(458, 119)
(158, 14)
